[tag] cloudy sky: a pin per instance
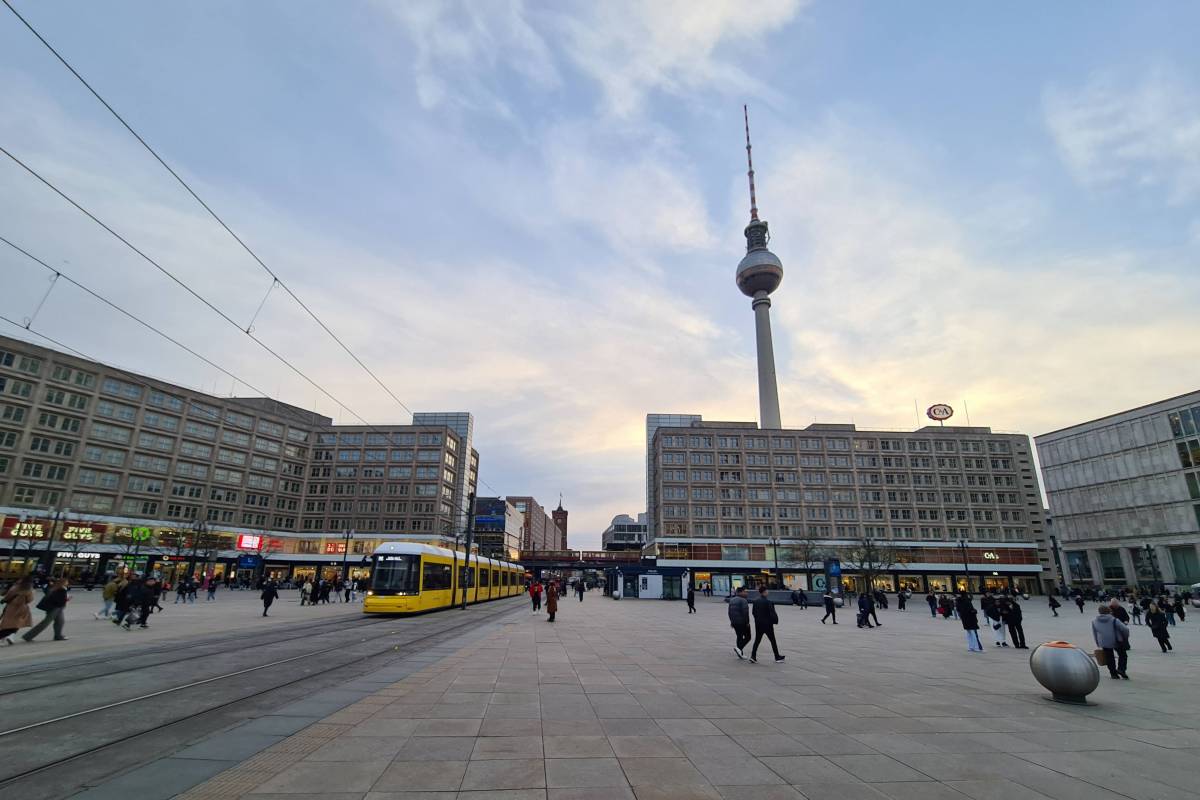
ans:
(533, 211)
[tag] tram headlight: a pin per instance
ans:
(370, 592)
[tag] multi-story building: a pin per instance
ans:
(733, 504)
(625, 533)
(1124, 492)
(148, 469)
(499, 527)
(539, 531)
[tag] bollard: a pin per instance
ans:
(1068, 672)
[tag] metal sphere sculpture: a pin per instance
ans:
(1068, 672)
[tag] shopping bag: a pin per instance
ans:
(1099, 655)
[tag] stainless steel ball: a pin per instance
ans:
(1068, 672)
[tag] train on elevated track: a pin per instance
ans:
(412, 578)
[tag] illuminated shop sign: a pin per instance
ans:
(249, 541)
(335, 548)
(79, 533)
(990, 556)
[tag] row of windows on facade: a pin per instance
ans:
(1122, 466)
(1102, 441)
(117, 458)
(834, 462)
(87, 380)
(835, 444)
(1113, 497)
(838, 478)
(766, 531)
(1185, 422)
(840, 513)
(839, 495)
(125, 436)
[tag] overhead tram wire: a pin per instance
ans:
(137, 378)
(205, 205)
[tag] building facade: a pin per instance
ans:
(1124, 492)
(539, 531)
(499, 528)
(108, 463)
(625, 533)
(732, 504)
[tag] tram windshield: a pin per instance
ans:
(399, 574)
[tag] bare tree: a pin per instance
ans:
(871, 558)
(803, 553)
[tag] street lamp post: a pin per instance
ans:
(1153, 565)
(962, 544)
(48, 558)
(347, 535)
(1062, 576)
(775, 542)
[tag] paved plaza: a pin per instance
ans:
(625, 699)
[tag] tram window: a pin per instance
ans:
(495, 577)
(396, 575)
(435, 576)
(483, 579)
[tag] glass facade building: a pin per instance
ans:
(1124, 492)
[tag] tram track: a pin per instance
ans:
(28, 738)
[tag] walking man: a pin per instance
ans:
(691, 599)
(1112, 636)
(55, 605)
(830, 610)
(739, 620)
(107, 596)
(765, 620)
(1054, 605)
(269, 593)
(580, 588)
(932, 600)
(1012, 614)
(866, 607)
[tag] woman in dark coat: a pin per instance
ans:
(54, 604)
(269, 593)
(551, 600)
(1157, 621)
(970, 622)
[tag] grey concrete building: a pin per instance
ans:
(539, 531)
(1124, 493)
(727, 500)
(625, 533)
(125, 452)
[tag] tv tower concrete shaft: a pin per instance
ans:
(768, 390)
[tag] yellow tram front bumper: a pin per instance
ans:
(392, 604)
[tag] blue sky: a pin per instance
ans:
(533, 210)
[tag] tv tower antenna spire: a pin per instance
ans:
(750, 165)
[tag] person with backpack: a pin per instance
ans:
(181, 590)
(765, 620)
(128, 598)
(1054, 605)
(54, 604)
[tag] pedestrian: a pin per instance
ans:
(932, 601)
(879, 601)
(54, 603)
(691, 599)
(1054, 605)
(535, 594)
(803, 597)
(1012, 616)
(551, 600)
(1157, 621)
(739, 620)
(994, 617)
(1118, 611)
(901, 600)
(16, 609)
(128, 596)
(150, 592)
(348, 589)
(305, 588)
(269, 593)
(107, 595)
(580, 589)
(181, 591)
(212, 590)
(1079, 602)
(970, 622)
(1179, 608)
(1112, 636)
(865, 608)
(1135, 613)
(830, 610)
(765, 620)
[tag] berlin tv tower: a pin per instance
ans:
(758, 274)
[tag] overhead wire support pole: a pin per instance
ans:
(203, 204)
(46, 296)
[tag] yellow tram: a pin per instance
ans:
(410, 578)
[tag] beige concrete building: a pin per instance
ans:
(151, 468)
(1124, 493)
(730, 502)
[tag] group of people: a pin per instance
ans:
(322, 590)
(18, 601)
(536, 589)
(765, 619)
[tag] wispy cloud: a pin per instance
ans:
(1143, 133)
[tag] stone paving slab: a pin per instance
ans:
(637, 699)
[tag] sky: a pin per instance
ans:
(533, 210)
